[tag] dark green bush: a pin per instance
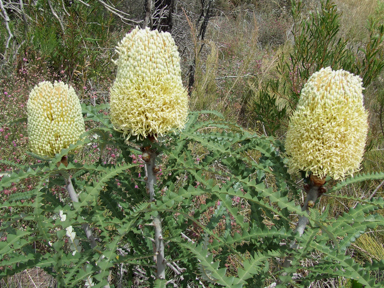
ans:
(316, 44)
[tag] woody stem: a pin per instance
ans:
(150, 174)
(75, 198)
(313, 192)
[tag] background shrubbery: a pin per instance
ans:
(250, 65)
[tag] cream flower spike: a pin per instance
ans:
(54, 118)
(327, 132)
(148, 97)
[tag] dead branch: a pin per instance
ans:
(122, 15)
(6, 20)
(56, 16)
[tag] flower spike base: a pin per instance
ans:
(314, 190)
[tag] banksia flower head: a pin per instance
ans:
(328, 130)
(148, 97)
(54, 118)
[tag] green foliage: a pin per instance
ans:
(316, 45)
(201, 199)
(267, 105)
(66, 36)
(356, 179)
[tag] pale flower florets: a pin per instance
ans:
(54, 118)
(148, 97)
(327, 132)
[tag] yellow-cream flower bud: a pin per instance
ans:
(148, 97)
(327, 132)
(54, 118)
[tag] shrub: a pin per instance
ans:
(197, 214)
(316, 45)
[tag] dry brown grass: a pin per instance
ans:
(355, 14)
(31, 278)
(242, 57)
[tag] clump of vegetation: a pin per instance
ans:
(316, 45)
(212, 204)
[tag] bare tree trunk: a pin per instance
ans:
(172, 9)
(206, 8)
(202, 22)
(148, 14)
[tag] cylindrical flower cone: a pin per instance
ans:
(55, 121)
(148, 97)
(54, 118)
(327, 132)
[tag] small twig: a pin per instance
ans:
(121, 273)
(345, 206)
(366, 252)
(70, 189)
(65, 10)
(56, 16)
(370, 197)
(186, 237)
(23, 15)
(234, 76)
(377, 188)
(265, 132)
(7, 20)
(173, 268)
(86, 4)
(122, 15)
(33, 282)
(180, 269)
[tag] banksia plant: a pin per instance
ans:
(55, 121)
(327, 132)
(54, 118)
(148, 97)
